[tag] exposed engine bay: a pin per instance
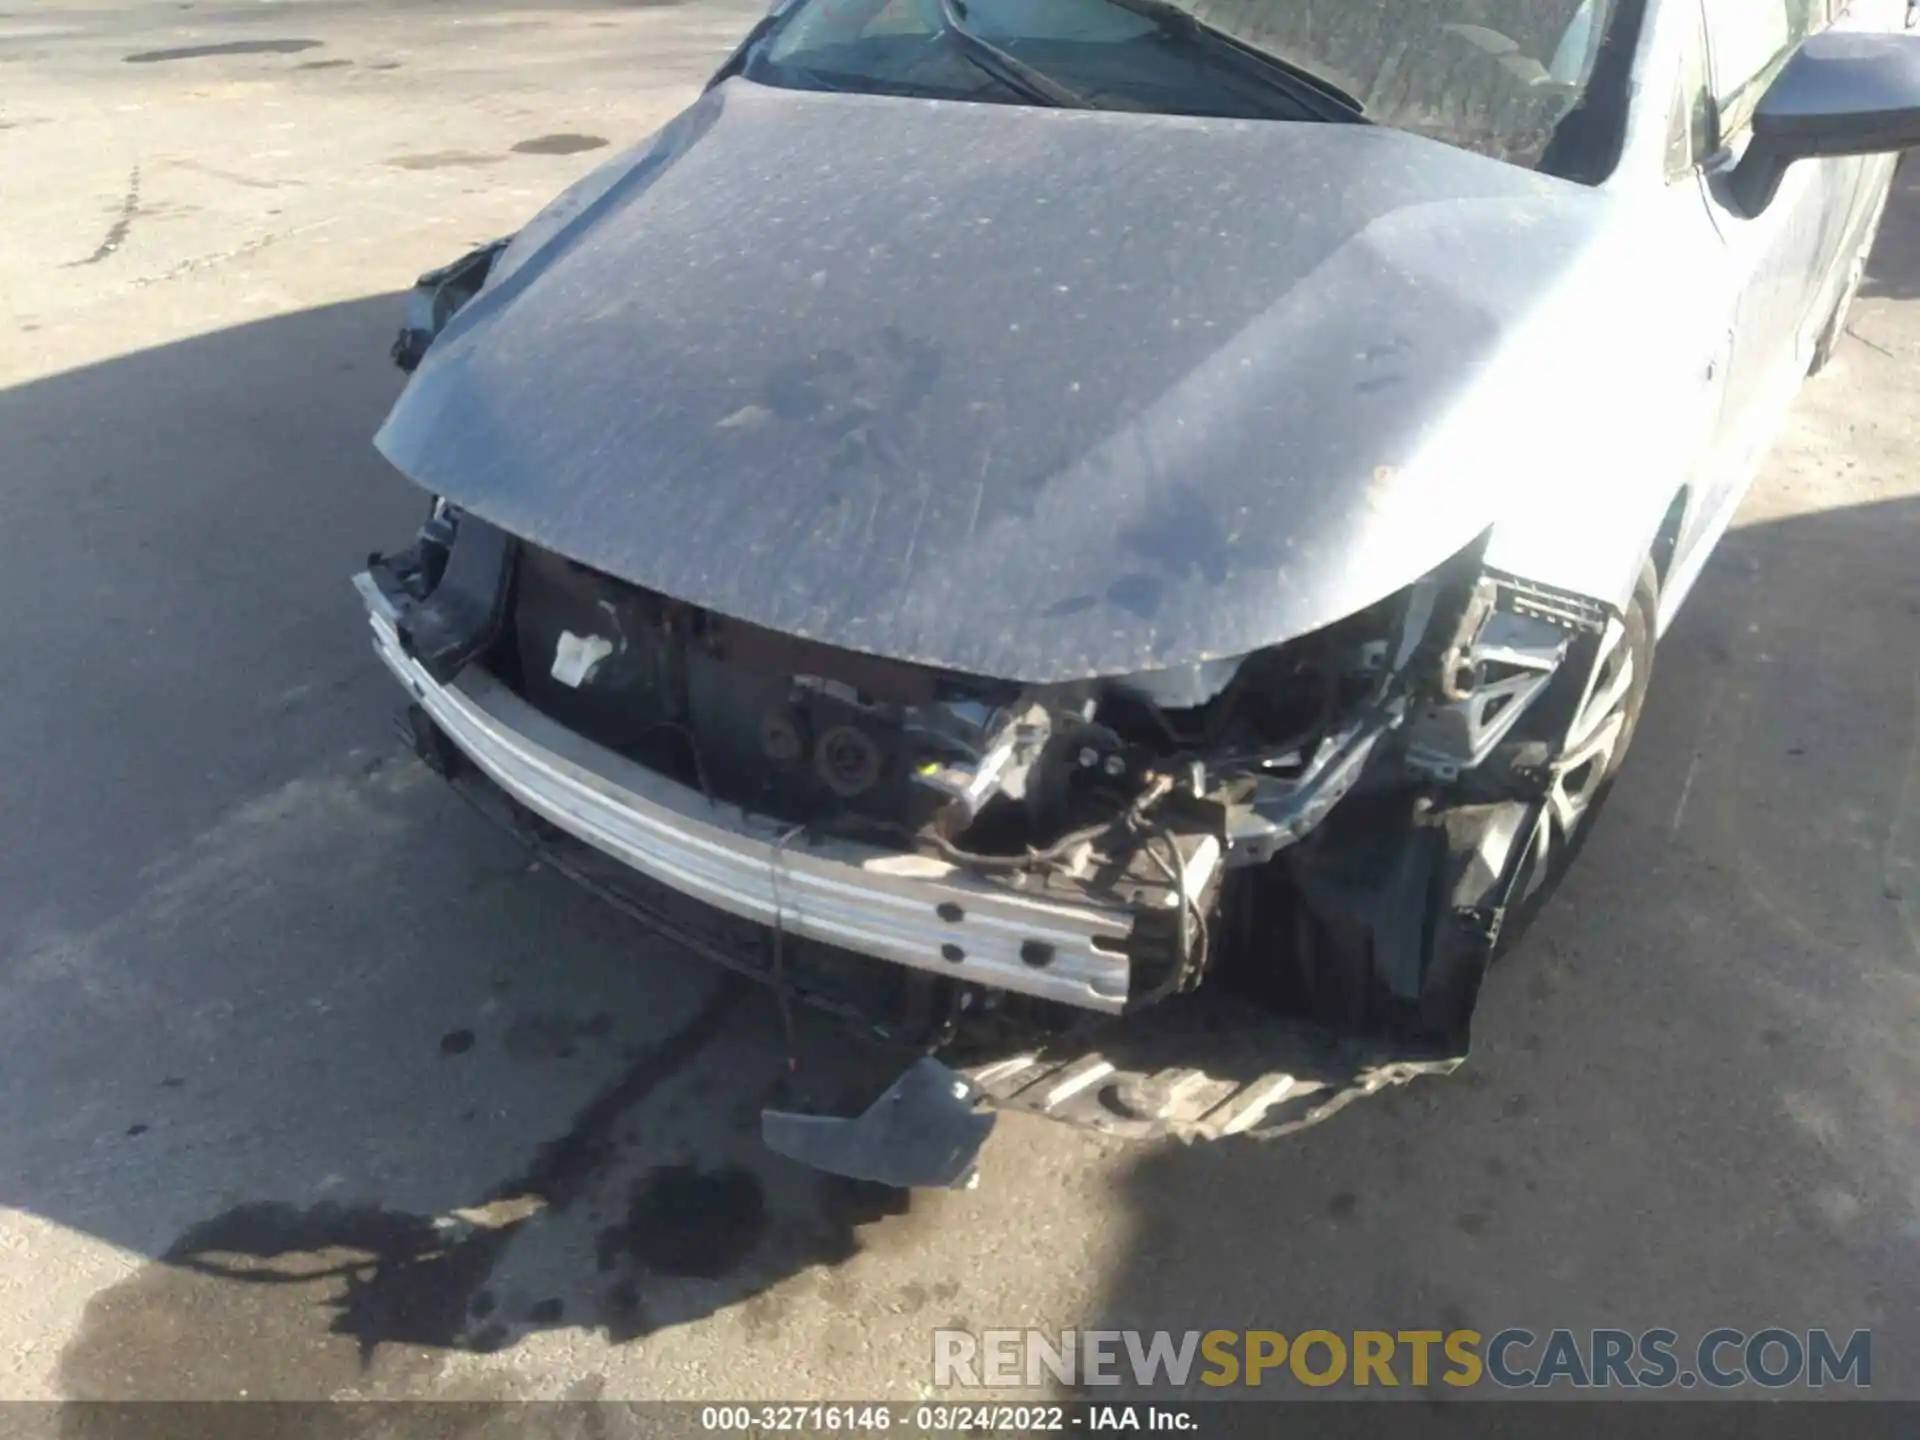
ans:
(1317, 846)
(1197, 801)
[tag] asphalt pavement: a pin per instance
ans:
(312, 1086)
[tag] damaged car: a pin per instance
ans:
(1120, 544)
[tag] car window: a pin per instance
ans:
(1751, 40)
(1539, 83)
(1694, 129)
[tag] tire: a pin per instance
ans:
(1606, 711)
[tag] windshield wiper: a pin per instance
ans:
(1316, 94)
(1016, 75)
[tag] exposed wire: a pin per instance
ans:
(1193, 923)
(693, 748)
(1029, 858)
(781, 992)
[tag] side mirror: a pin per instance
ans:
(1844, 92)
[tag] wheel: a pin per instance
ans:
(1836, 326)
(1606, 711)
(1379, 922)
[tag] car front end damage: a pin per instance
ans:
(1151, 806)
(1325, 837)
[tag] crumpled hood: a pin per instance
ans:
(1028, 393)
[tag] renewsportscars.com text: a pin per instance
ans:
(1514, 1358)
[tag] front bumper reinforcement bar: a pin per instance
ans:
(912, 910)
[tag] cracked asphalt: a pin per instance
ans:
(313, 1087)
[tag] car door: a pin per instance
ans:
(1692, 239)
(1874, 173)
(1779, 263)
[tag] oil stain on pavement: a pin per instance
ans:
(558, 144)
(444, 160)
(269, 1299)
(228, 1309)
(230, 47)
(689, 1222)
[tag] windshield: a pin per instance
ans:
(1539, 83)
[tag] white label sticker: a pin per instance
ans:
(577, 656)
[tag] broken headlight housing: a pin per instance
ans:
(437, 296)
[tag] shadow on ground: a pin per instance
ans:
(1689, 1103)
(370, 1090)
(1895, 272)
(259, 967)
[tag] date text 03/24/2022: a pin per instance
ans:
(941, 1419)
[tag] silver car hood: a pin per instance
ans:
(1027, 393)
